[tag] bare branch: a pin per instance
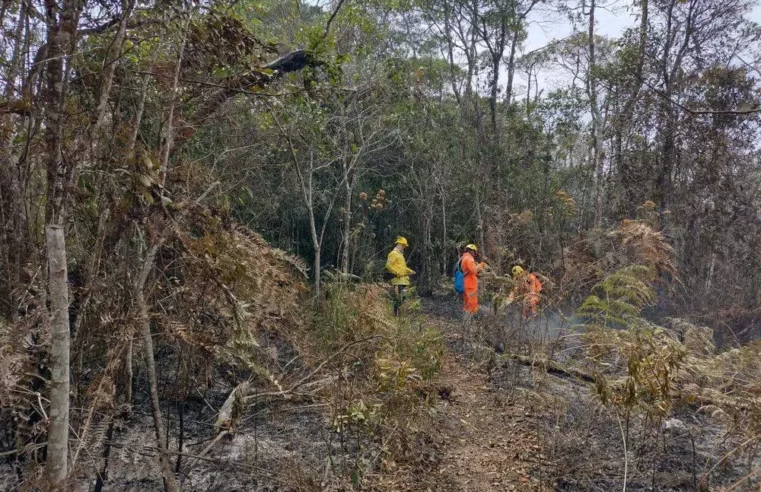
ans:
(332, 17)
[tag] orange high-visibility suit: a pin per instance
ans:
(470, 270)
(528, 288)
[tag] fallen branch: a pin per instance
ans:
(291, 391)
(552, 367)
(232, 409)
(690, 394)
(213, 443)
(229, 414)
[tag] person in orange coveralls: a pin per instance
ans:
(527, 288)
(470, 270)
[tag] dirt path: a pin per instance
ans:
(488, 439)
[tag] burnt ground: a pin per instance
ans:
(537, 431)
(495, 425)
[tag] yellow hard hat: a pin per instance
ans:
(402, 240)
(517, 270)
(472, 246)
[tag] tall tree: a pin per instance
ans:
(61, 44)
(598, 124)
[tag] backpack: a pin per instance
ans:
(459, 278)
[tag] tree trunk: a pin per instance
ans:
(597, 123)
(599, 176)
(494, 84)
(347, 230)
(103, 473)
(450, 52)
(109, 64)
(169, 137)
(426, 273)
(472, 52)
(444, 232)
(58, 433)
(128, 373)
(511, 70)
(12, 211)
(479, 219)
(624, 167)
(128, 368)
(170, 482)
(61, 42)
(663, 180)
(528, 95)
(317, 273)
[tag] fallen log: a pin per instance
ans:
(551, 367)
(690, 393)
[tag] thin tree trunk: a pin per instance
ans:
(347, 229)
(317, 273)
(494, 84)
(472, 48)
(128, 369)
(528, 95)
(170, 481)
(450, 52)
(138, 119)
(444, 232)
(427, 276)
(103, 474)
(110, 64)
(12, 210)
(709, 277)
(479, 219)
(61, 42)
(129, 373)
(664, 179)
(169, 138)
(181, 437)
(625, 172)
(58, 433)
(108, 69)
(597, 123)
(511, 70)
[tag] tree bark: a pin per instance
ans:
(597, 123)
(169, 137)
(58, 433)
(494, 84)
(61, 42)
(511, 70)
(170, 482)
(109, 64)
(450, 51)
(347, 228)
(479, 219)
(624, 168)
(317, 271)
(426, 279)
(13, 221)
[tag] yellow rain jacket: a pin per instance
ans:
(397, 266)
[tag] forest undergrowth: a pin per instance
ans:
(197, 200)
(599, 398)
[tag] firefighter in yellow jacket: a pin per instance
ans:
(396, 265)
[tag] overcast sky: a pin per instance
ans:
(545, 26)
(612, 19)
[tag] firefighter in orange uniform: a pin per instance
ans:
(527, 289)
(470, 270)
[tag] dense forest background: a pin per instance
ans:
(183, 185)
